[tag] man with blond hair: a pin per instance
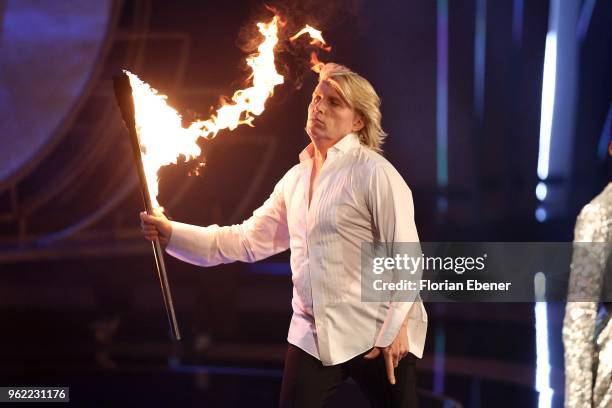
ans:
(341, 194)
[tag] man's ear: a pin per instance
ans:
(610, 148)
(358, 123)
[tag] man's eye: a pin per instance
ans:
(316, 98)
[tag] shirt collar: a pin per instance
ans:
(343, 145)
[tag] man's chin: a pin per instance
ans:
(315, 134)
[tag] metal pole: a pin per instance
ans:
(123, 93)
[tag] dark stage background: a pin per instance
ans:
(461, 83)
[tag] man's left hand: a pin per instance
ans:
(393, 353)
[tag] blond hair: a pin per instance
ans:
(359, 94)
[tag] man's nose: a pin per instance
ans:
(318, 107)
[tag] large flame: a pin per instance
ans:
(162, 137)
(250, 101)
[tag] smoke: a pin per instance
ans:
(293, 57)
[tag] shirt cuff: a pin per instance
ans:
(186, 243)
(416, 330)
(393, 321)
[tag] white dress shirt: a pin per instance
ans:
(359, 197)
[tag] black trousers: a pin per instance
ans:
(307, 383)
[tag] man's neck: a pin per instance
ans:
(321, 148)
(320, 153)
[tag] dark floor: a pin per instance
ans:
(234, 323)
(139, 367)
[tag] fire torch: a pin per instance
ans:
(123, 93)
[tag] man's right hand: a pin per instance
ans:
(156, 227)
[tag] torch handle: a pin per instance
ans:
(157, 249)
(165, 288)
(123, 93)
